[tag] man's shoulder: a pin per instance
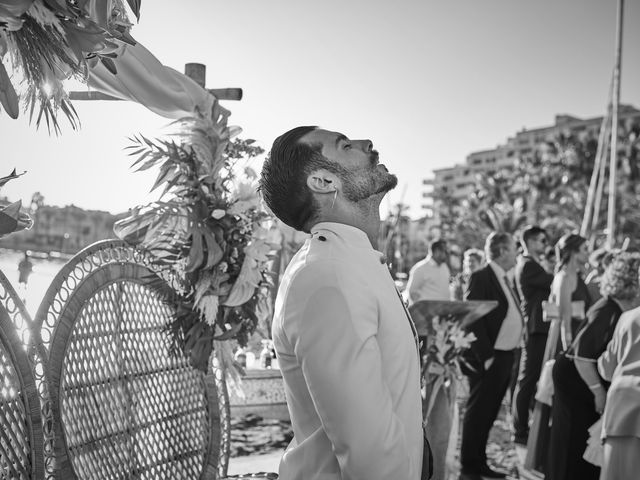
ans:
(483, 272)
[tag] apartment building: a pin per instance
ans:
(458, 180)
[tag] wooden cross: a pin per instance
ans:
(195, 71)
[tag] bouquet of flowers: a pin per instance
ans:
(210, 234)
(446, 342)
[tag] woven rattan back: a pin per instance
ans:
(21, 427)
(123, 406)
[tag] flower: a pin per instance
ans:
(218, 213)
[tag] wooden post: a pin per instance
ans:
(611, 217)
(598, 171)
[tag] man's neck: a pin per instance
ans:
(528, 253)
(502, 265)
(365, 216)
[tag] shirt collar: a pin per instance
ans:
(353, 236)
(499, 271)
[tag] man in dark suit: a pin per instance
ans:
(490, 357)
(533, 283)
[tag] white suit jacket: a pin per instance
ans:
(349, 362)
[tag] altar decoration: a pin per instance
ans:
(12, 218)
(444, 355)
(50, 41)
(208, 230)
(444, 324)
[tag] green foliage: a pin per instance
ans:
(548, 187)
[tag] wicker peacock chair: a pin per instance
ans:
(123, 406)
(26, 436)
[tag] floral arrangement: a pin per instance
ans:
(12, 219)
(445, 344)
(209, 234)
(50, 41)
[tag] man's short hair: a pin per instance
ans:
(530, 232)
(283, 181)
(495, 244)
(438, 246)
(474, 253)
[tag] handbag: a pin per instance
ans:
(544, 393)
(551, 311)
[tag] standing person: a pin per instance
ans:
(344, 340)
(568, 291)
(429, 278)
(620, 364)
(472, 260)
(579, 392)
(491, 355)
(568, 302)
(533, 283)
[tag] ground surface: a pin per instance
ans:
(257, 445)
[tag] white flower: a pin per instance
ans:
(460, 339)
(218, 213)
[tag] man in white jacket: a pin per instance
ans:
(345, 343)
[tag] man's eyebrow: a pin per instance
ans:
(340, 138)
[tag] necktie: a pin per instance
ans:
(513, 296)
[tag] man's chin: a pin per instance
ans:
(388, 183)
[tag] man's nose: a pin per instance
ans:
(366, 145)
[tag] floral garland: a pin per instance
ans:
(210, 234)
(50, 41)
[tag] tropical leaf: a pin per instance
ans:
(135, 7)
(8, 96)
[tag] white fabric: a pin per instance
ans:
(512, 327)
(428, 281)
(143, 79)
(620, 364)
(349, 363)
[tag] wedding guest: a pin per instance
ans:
(491, 355)
(568, 287)
(568, 302)
(579, 393)
(344, 340)
(472, 261)
(620, 364)
(429, 278)
(534, 284)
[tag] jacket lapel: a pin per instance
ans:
(496, 285)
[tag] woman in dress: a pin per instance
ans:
(569, 299)
(620, 364)
(579, 393)
(568, 291)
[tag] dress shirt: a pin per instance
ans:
(428, 281)
(620, 364)
(511, 330)
(349, 363)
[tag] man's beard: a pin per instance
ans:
(365, 183)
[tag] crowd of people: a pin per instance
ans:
(560, 309)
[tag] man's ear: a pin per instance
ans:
(322, 181)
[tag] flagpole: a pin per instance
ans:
(611, 217)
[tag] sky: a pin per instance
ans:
(427, 81)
